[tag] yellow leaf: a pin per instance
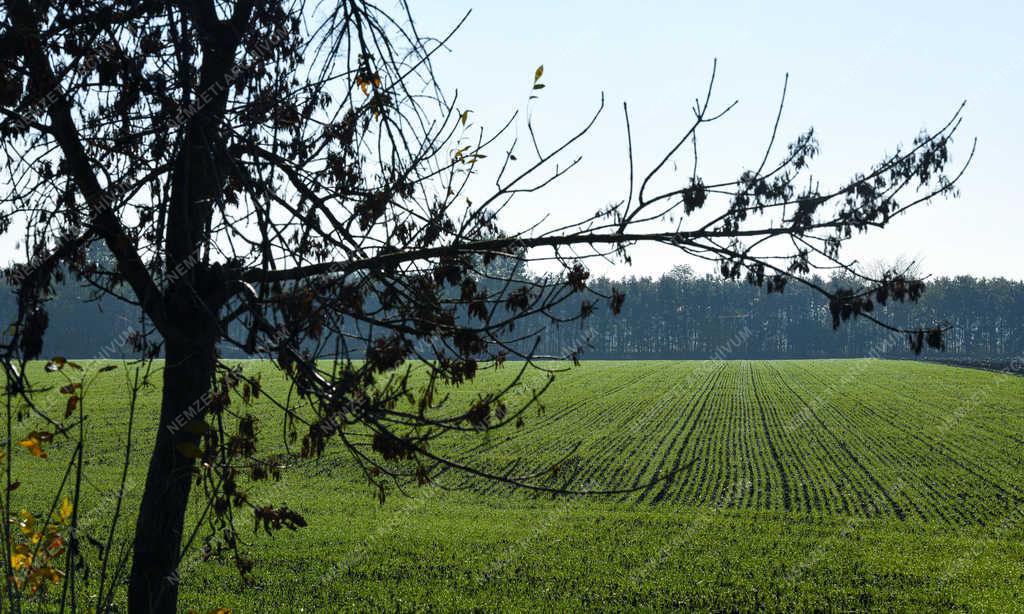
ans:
(220, 611)
(41, 575)
(32, 445)
(51, 574)
(464, 117)
(21, 557)
(26, 522)
(537, 74)
(66, 509)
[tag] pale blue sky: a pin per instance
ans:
(867, 76)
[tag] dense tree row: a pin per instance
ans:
(687, 317)
(675, 316)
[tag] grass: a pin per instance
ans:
(842, 485)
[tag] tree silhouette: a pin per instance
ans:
(293, 170)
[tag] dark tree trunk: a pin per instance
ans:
(190, 334)
(188, 373)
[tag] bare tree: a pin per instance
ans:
(289, 178)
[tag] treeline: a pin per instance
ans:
(692, 317)
(671, 317)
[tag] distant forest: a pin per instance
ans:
(675, 316)
(694, 317)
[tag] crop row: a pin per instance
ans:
(860, 438)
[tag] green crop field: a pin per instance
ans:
(837, 485)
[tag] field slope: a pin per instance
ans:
(819, 485)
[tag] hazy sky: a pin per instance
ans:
(867, 76)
